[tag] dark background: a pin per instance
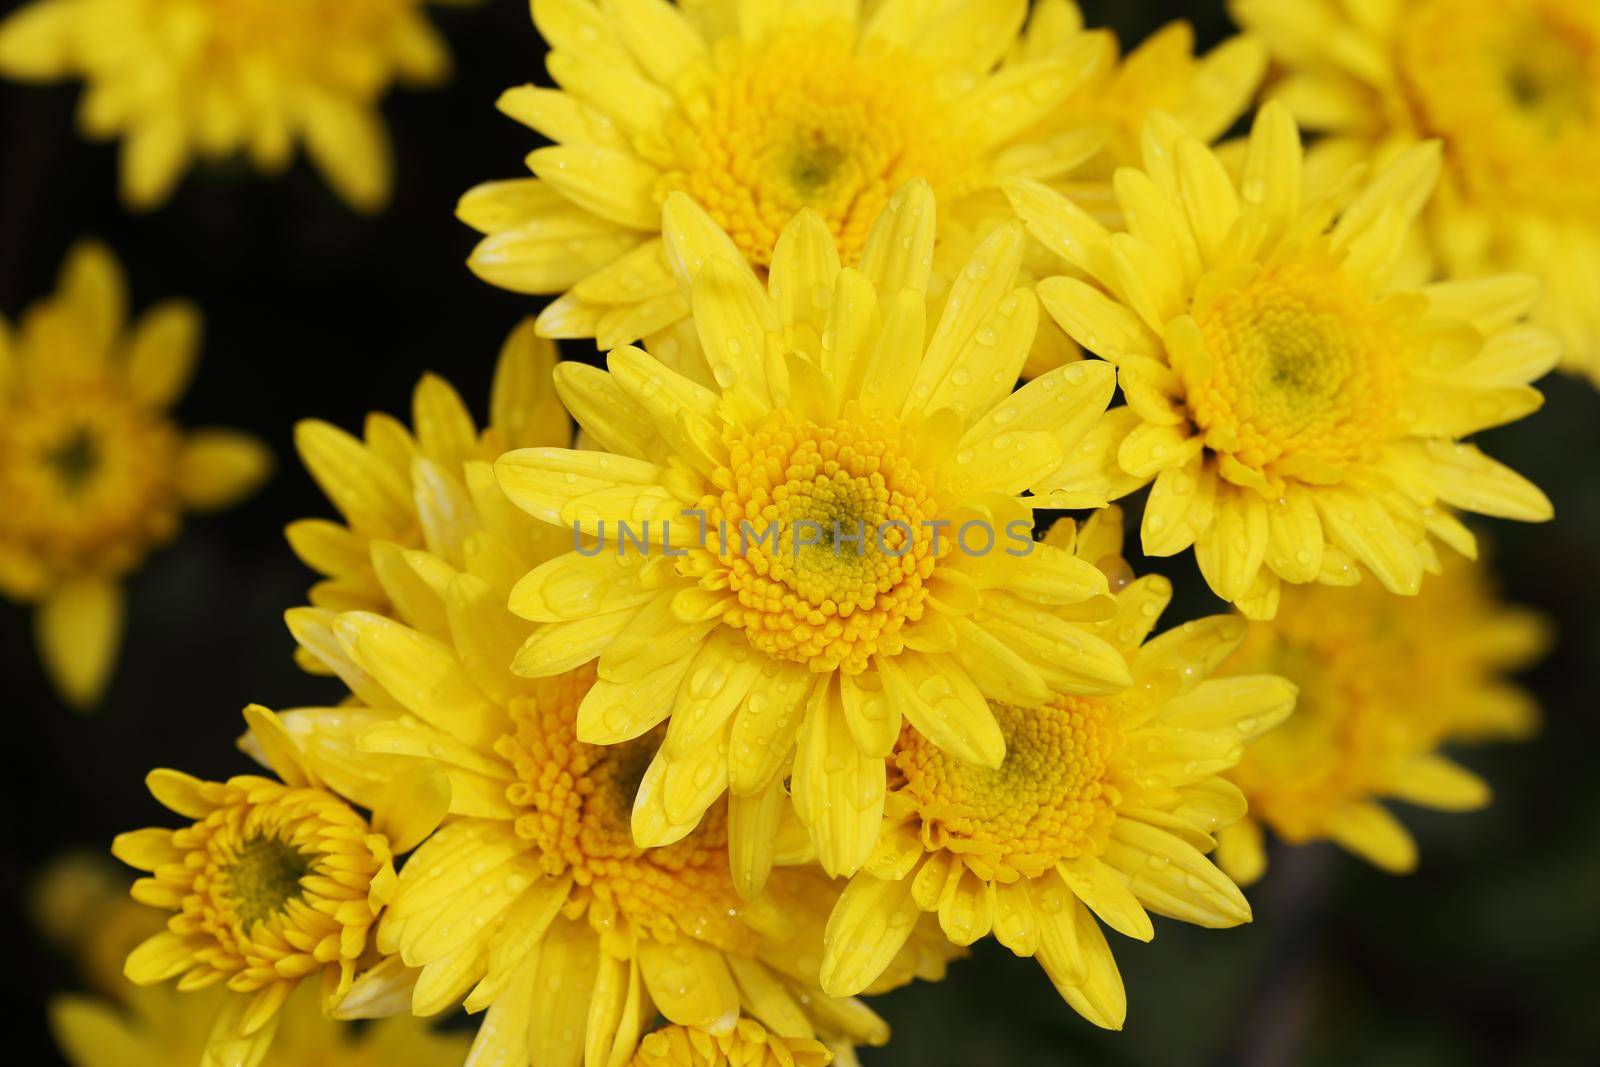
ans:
(1487, 955)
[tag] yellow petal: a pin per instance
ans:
(997, 670)
(966, 909)
(943, 704)
(548, 253)
(1108, 896)
(423, 674)
(838, 789)
(752, 836)
(1364, 528)
(1172, 878)
(735, 316)
(1435, 781)
(1375, 835)
(805, 263)
(1243, 706)
(620, 711)
(160, 957)
(690, 983)
(154, 155)
(373, 496)
(162, 351)
(616, 185)
(691, 238)
(350, 146)
(660, 37)
(977, 296)
(39, 42)
(219, 468)
(868, 926)
(1063, 227)
(898, 254)
(1100, 997)
(1241, 853)
(232, 1042)
(1230, 552)
(544, 481)
(764, 729)
(562, 990)
(1466, 478)
(78, 630)
(413, 805)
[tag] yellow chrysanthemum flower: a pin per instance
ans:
(84, 906)
(757, 110)
(747, 1045)
(1298, 411)
(1384, 683)
(93, 472)
(186, 80)
(1104, 806)
(820, 575)
(535, 882)
(1511, 87)
(275, 881)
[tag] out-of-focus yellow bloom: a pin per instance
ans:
(1512, 88)
(92, 470)
(180, 80)
(84, 906)
(273, 882)
(1300, 411)
(1104, 806)
(1384, 683)
(845, 541)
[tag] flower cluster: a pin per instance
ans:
(702, 693)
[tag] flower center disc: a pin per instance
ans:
(802, 122)
(820, 533)
(298, 34)
(577, 803)
(1303, 367)
(1053, 797)
(1513, 86)
(87, 480)
(262, 877)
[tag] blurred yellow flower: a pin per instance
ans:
(93, 472)
(85, 906)
(1384, 683)
(1299, 410)
(1104, 806)
(1512, 88)
(845, 538)
(181, 80)
(757, 110)
(273, 882)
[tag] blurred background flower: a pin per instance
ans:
(94, 474)
(181, 80)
